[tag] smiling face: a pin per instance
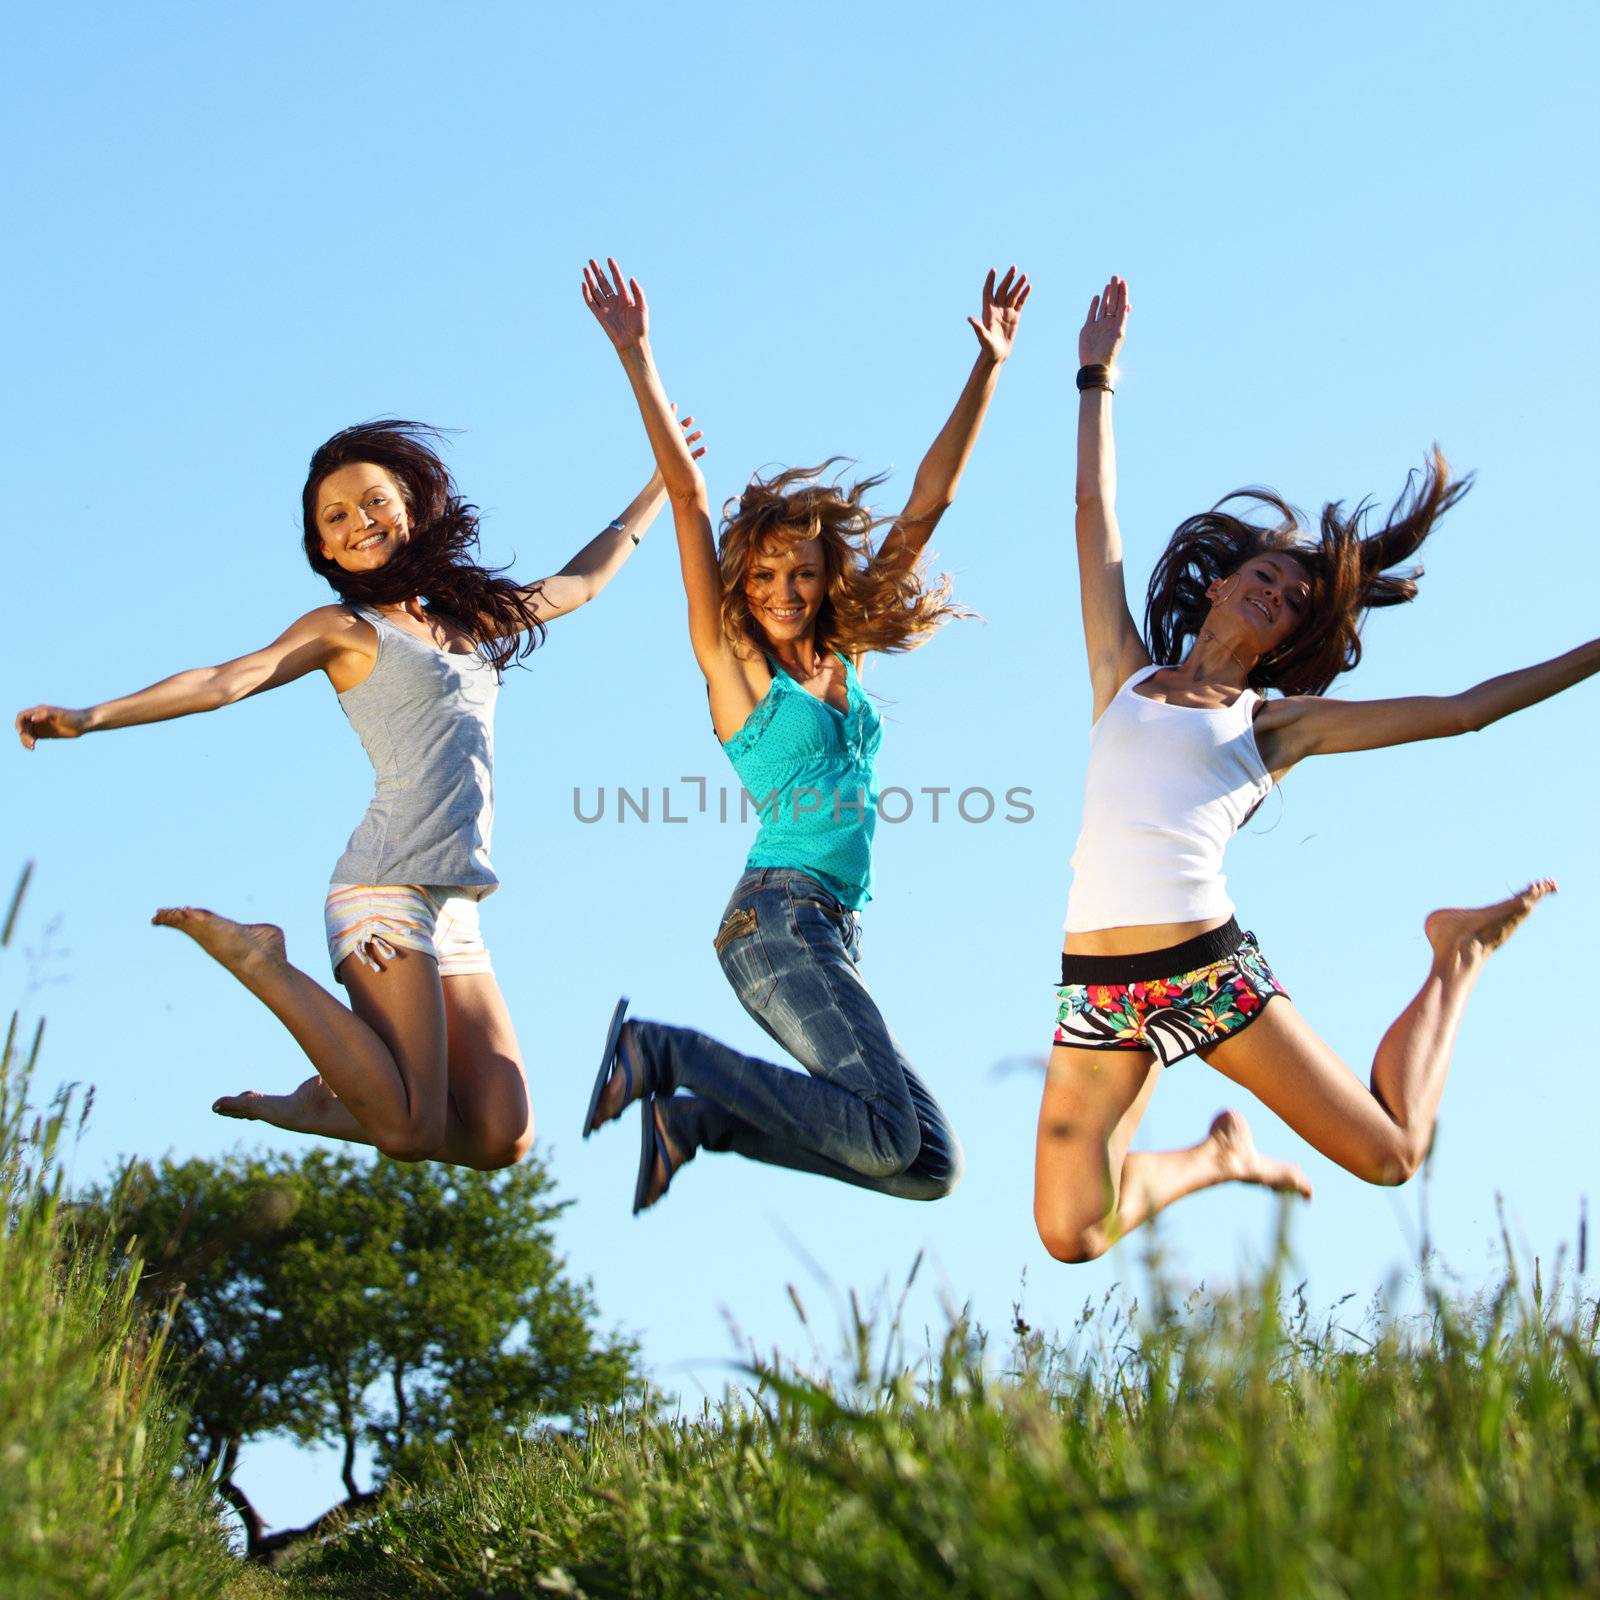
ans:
(361, 517)
(1262, 602)
(784, 586)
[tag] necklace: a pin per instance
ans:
(1246, 666)
(810, 673)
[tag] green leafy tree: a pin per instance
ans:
(414, 1308)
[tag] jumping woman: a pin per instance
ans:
(424, 1062)
(1185, 745)
(780, 620)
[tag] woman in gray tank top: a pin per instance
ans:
(423, 1062)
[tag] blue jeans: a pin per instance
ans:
(859, 1112)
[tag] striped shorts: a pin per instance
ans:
(369, 921)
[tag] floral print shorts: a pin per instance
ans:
(1170, 1002)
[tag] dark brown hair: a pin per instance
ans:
(1348, 569)
(438, 561)
(871, 603)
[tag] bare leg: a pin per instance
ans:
(489, 1122)
(488, 1081)
(1380, 1134)
(385, 1060)
(1089, 1189)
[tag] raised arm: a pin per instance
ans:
(934, 487)
(325, 638)
(599, 561)
(1110, 634)
(1289, 730)
(620, 309)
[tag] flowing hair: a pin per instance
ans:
(438, 562)
(1348, 569)
(871, 602)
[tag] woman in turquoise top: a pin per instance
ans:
(781, 615)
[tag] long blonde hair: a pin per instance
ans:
(872, 602)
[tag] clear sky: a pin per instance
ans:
(1348, 230)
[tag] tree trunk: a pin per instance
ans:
(400, 1412)
(270, 1550)
(348, 1470)
(240, 1501)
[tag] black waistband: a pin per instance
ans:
(1145, 965)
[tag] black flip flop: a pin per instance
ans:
(651, 1145)
(608, 1059)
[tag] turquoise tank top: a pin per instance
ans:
(812, 770)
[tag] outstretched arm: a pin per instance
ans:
(599, 561)
(1289, 730)
(620, 309)
(1110, 634)
(934, 487)
(315, 641)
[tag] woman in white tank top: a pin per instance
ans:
(1184, 746)
(424, 1062)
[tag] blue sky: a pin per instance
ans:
(1349, 231)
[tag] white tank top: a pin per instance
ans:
(1167, 787)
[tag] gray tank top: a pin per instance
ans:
(426, 720)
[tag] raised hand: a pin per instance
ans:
(1002, 311)
(1101, 336)
(49, 722)
(618, 307)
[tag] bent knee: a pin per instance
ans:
(896, 1144)
(404, 1147)
(955, 1170)
(924, 1182)
(497, 1153)
(1399, 1161)
(413, 1141)
(948, 1174)
(1395, 1170)
(1073, 1245)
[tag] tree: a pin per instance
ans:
(414, 1307)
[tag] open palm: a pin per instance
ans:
(618, 306)
(1103, 329)
(1002, 311)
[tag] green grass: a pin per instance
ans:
(1225, 1448)
(91, 1505)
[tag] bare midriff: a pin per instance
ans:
(1135, 940)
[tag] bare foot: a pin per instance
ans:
(239, 946)
(661, 1174)
(614, 1098)
(303, 1110)
(1236, 1150)
(1471, 935)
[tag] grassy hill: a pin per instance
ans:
(1228, 1448)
